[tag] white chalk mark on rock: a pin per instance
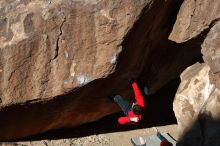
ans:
(66, 54)
(81, 79)
(72, 69)
(113, 60)
(106, 14)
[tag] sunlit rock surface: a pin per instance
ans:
(60, 59)
(51, 47)
(211, 52)
(194, 17)
(197, 107)
(193, 92)
(197, 101)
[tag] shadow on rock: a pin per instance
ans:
(204, 132)
(159, 112)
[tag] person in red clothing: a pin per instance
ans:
(134, 112)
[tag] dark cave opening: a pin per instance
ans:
(159, 112)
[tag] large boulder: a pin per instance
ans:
(193, 18)
(192, 94)
(211, 52)
(49, 48)
(60, 59)
(197, 108)
(197, 101)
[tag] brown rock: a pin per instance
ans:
(196, 107)
(211, 48)
(196, 104)
(194, 17)
(49, 48)
(60, 59)
(58, 46)
(191, 95)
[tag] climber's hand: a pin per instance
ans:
(134, 119)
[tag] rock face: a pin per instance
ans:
(60, 59)
(49, 48)
(193, 93)
(197, 107)
(193, 18)
(211, 52)
(197, 104)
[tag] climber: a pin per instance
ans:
(134, 112)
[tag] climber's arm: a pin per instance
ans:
(123, 120)
(139, 98)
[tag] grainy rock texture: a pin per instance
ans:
(196, 107)
(194, 17)
(192, 94)
(60, 59)
(197, 101)
(93, 140)
(49, 48)
(211, 52)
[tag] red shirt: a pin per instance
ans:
(139, 101)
